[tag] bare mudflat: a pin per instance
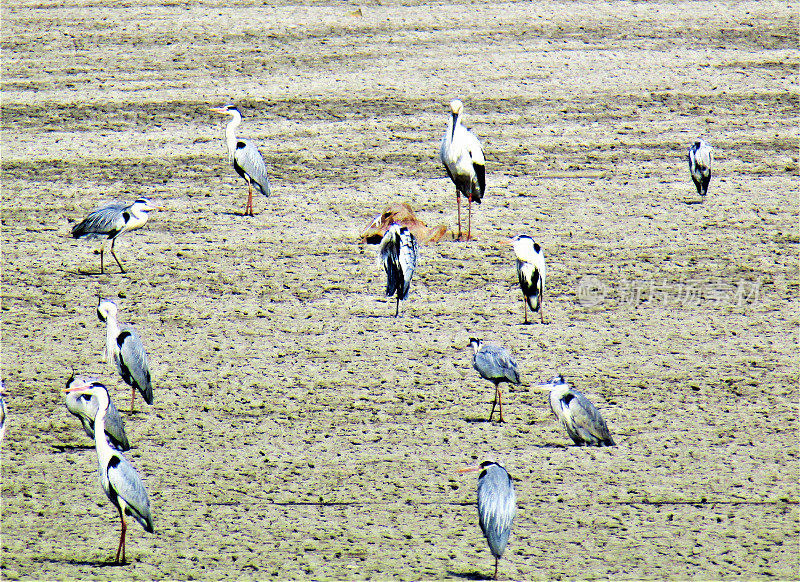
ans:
(301, 431)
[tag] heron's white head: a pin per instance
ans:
(144, 205)
(525, 247)
(456, 106)
(556, 383)
(105, 309)
(90, 387)
(482, 467)
(475, 343)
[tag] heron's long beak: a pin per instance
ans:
(453, 133)
(221, 110)
(506, 241)
(469, 469)
(83, 386)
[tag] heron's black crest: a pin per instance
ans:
(567, 398)
(122, 337)
(537, 248)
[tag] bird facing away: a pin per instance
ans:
(84, 406)
(701, 157)
(398, 252)
(120, 481)
(497, 506)
(495, 364)
(112, 220)
(462, 157)
(582, 420)
(124, 348)
(245, 157)
(531, 272)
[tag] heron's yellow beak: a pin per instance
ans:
(221, 110)
(470, 469)
(506, 241)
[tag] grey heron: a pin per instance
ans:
(125, 350)
(497, 506)
(119, 480)
(494, 363)
(531, 272)
(111, 221)
(579, 416)
(84, 406)
(700, 159)
(245, 157)
(398, 251)
(463, 160)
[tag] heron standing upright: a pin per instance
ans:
(463, 159)
(579, 416)
(497, 506)
(398, 250)
(245, 157)
(119, 480)
(84, 406)
(495, 364)
(531, 273)
(701, 157)
(124, 348)
(112, 220)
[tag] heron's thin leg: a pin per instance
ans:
(493, 403)
(121, 546)
(500, 402)
(458, 205)
(248, 211)
(115, 256)
(397, 307)
(525, 307)
(101, 260)
(133, 397)
(469, 218)
(495, 568)
(541, 308)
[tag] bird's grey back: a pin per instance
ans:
(129, 485)
(588, 426)
(103, 222)
(251, 161)
(497, 506)
(398, 253)
(86, 409)
(133, 365)
(496, 364)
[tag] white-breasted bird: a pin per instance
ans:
(497, 506)
(125, 350)
(579, 416)
(494, 363)
(244, 156)
(462, 156)
(121, 483)
(111, 221)
(84, 406)
(398, 251)
(531, 272)
(701, 156)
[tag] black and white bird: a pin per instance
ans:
(125, 350)
(398, 251)
(462, 156)
(497, 506)
(579, 416)
(244, 156)
(495, 364)
(111, 221)
(119, 480)
(701, 156)
(531, 272)
(84, 406)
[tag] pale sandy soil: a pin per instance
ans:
(298, 430)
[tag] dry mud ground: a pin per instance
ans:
(300, 431)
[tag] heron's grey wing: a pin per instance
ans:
(497, 506)
(126, 483)
(115, 429)
(407, 259)
(106, 221)
(133, 364)
(388, 253)
(587, 421)
(250, 160)
(501, 362)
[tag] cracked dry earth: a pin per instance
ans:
(300, 431)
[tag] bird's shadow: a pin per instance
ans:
(476, 420)
(242, 214)
(692, 202)
(89, 563)
(474, 575)
(72, 448)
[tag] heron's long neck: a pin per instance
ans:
(104, 450)
(112, 331)
(230, 135)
